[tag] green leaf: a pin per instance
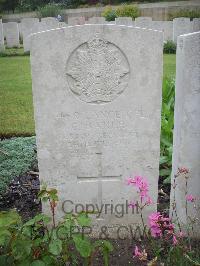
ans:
(49, 260)
(6, 260)
(21, 248)
(83, 245)
(8, 218)
(105, 257)
(108, 245)
(167, 180)
(83, 219)
(23, 263)
(105, 244)
(55, 247)
(165, 172)
(5, 237)
(163, 159)
(38, 263)
(42, 217)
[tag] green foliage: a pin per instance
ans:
(7, 5)
(122, 11)
(17, 156)
(195, 13)
(50, 10)
(13, 52)
(169, 47)
(128, 11)
(31, 5)
(41, 241)
(167, 125)
(109, 13)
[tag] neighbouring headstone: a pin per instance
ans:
(97, 20)
(181, 26)
(124, 21)
(186, 146)
(196, 24)
(62, 24)
(143, 22)
(11, 34)
(48, 23)
(97, 101)
(72, 21)
(29, 26)
(166, 27)
(2, 47)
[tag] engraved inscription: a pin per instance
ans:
(97, 71)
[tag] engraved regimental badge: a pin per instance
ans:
(97, 71)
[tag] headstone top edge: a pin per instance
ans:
(69, 28)
(188, 34)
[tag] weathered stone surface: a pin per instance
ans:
(143, 22)
(62, 24)
(124, 21)
(29, 26)
(72, 21)
(48, 23)
(11, 33)
(181, 26)
(186, 146)
(2, 47)
(97, 101)
(97, 20)
(196, 24)
(165, 26)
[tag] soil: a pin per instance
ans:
(22, 196)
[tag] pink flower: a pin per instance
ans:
(160, 225)
(141, 184)
(190, 198)
(183, 170)
(148, 201)
(181, 234)
(141, 255)
(129, 181)
(175, 241)
(137, 253)
(154, 224)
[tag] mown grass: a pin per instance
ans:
(16, 106)
(169, 68)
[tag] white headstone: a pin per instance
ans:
(143, 22)
(186, 146)
(97, 20)
(62, 24)
(11, 34)
(165, 26)
(72, 21)
(97, 101)
(48, 23)
(196, 24)
(181, 26)
(2, 47)
(124, 21)
(29, 26)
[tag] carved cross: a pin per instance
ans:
(100, 178)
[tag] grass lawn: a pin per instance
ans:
(16, 107)
(169, 65)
